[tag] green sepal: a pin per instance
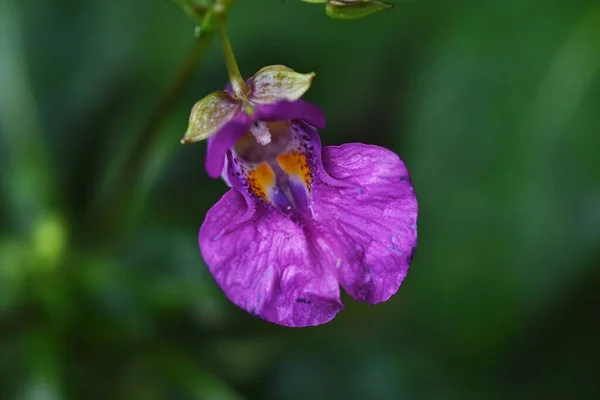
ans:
(354, 9)
(209, 115)
(278, 82)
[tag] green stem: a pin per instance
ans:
(196, 13)
(235, 77)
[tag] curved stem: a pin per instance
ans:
(235, 77)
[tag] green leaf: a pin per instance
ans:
(354, 9)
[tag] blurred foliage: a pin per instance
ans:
(492, 104)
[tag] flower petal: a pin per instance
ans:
(264, 264)
(287, 110)
(366, 211)
(218, 145)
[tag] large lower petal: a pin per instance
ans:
(264, 264)
(365, 219)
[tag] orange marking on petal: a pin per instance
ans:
(295, 163)
(261, 179)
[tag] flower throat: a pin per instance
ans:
(274, 161)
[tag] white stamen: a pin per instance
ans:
(261, 133)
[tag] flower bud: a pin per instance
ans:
(354, 9)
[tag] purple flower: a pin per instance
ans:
(301, 220)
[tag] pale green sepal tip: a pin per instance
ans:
(278, 82)
(354, 9)
(248, 109)
(209, 115)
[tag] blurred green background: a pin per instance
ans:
(493, 105)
